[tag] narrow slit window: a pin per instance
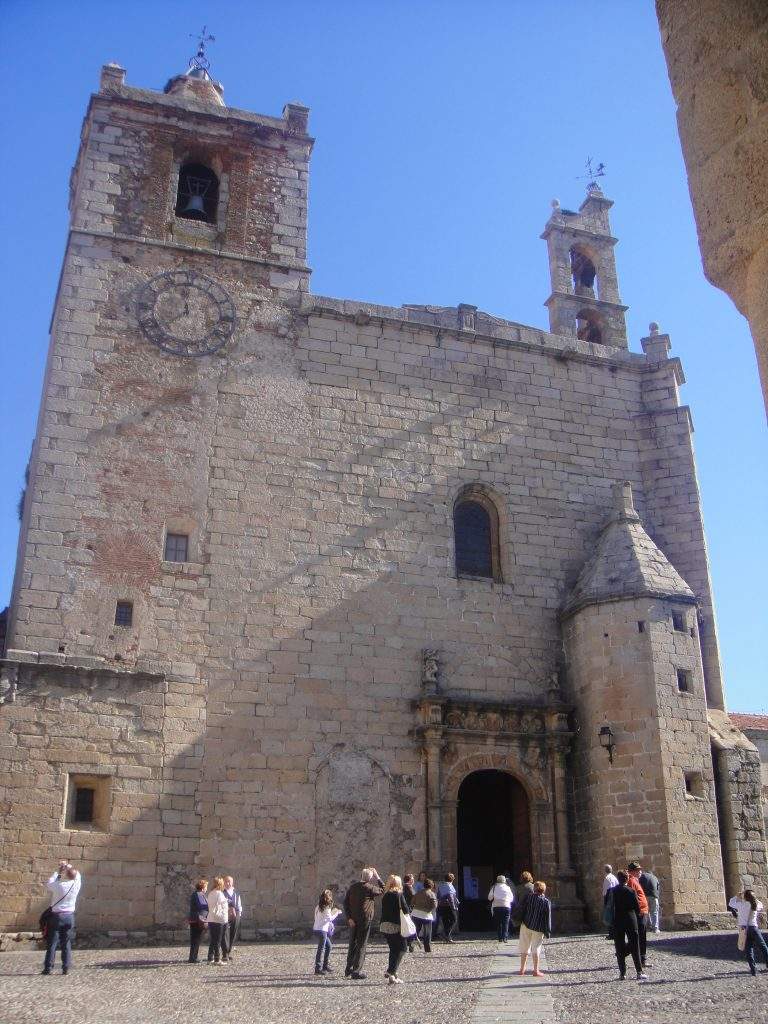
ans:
(124, 613)
(641, 627)
(176, 547)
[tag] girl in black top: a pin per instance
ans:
(626, 925)
(392, 905)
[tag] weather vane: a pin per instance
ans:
(593, 173)
(200, 60)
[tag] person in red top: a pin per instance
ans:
(634, 870)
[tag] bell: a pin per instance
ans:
(195, 208)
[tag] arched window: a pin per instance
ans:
(476, 536)
(198, 194)
(589, 326)
(583, 271)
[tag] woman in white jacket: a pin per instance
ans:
(324, 927)
(218, 918)
(502, 898)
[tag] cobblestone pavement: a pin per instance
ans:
(271, 984)
(694, 978)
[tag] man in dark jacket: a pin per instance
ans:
(359, 908)
(625, 910)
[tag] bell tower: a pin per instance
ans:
(585, 302)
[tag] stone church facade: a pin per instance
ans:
(306, 583)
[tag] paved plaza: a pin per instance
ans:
(695, 979)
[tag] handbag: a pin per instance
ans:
(47, 914)
(407, 927)
(741, 942)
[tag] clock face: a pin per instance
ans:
(186, 313)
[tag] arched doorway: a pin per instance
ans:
(493, 837)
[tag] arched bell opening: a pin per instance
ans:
(583, 272)
(589, 326)
(493, 837)
(197, 197)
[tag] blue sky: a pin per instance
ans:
(443, 132)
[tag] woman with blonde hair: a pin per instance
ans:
(393, 904)
(218, 918)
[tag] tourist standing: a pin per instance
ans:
(323, 927)
(409, 891)
(198, 918)
(448, 906)
(609, 882)
(418, 885)
(235, 913)
(651, 886)
(625, 911)
(423, 912)
(535, 926)
(634, 871)
(523, 887)
(218, 918)
(393, 904)
(64, 887)
(748, 911)
(502, 898)
(359, 905)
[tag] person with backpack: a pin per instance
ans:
(448, 906)
(501, 898)
(58, 921)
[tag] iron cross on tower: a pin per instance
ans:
(200, 60)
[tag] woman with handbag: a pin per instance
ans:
(218, 918)
(423, 912)
(396, 926)
(198, 917)
(748, 910)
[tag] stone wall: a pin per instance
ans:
(717, 54)
(621, 670)
(140, 734)
(314, 461)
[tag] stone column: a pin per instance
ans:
(557, 750)
(433, 741)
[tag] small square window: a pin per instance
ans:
(176, 547)
(88, 802)
(694, 785)
(678, 622)
(124, 613)
(683, 680)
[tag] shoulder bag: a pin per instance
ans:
(741, 942)
(47, 914)
(407, 927)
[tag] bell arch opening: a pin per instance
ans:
(493, 837)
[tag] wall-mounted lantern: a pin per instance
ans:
(606, 740)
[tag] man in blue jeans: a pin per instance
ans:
(64, 886)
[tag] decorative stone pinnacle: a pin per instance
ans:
(622, 500)
(555, 204)
(653, 327)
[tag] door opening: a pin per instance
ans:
(494, 838)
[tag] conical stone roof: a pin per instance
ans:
(626, 564)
